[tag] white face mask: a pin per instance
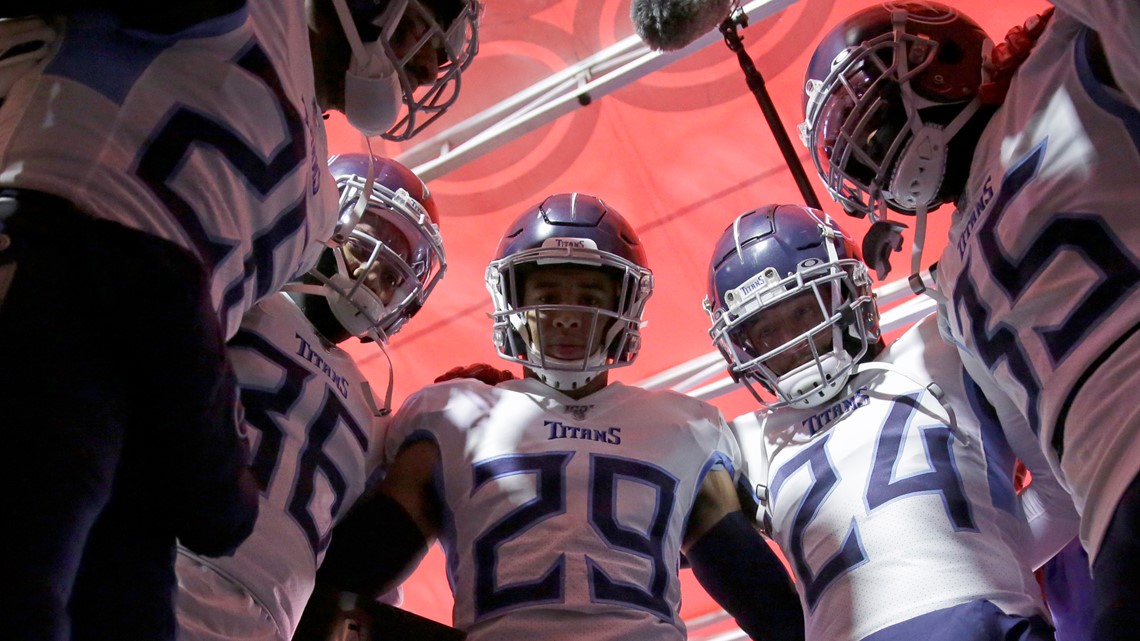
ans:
(372, 95)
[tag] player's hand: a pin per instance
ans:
(882, 239)
(1006, 56)
(478, 371)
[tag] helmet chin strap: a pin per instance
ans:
(916, 179)
(817, 381)
(932, 387)
(350, 218)
(567, 375)
(386, 409)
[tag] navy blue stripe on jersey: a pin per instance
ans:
(719, 459)
(1058, 441)
(1102, 95)
(97, 54)
(548, 470)
(1001, 342)
(292, 220)
(999, 455)
(185, 130)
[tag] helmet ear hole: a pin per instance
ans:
(950, 53)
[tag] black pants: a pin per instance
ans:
(1116, 572)
(117, 409)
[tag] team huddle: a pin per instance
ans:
(180, 261)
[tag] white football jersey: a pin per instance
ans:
(883, 509)
(1041, 268)
(316, 440)
(564, 518)
(210, 138)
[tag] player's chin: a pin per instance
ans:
(566, 352)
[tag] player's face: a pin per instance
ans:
(384, 279)
(331, 52)
(786, 321)
(423, 67)
(566, 334)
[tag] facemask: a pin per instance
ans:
(372, 95)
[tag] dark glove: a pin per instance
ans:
(478, 371)
(1008, 55)
(882, 238)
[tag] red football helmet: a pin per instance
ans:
(387, 256)
(884, 93)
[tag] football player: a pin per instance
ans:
(1040, 272)
(405, 60)
(314, 420)
(885, 477)
(163, 169)
(563, 500)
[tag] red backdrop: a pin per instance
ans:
(679, 153)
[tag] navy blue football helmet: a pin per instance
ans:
(387, 256)
(569, 230)
(885, 92)
(791, 304)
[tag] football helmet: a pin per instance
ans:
(885, 92)
(383, 92)
(382, 266)
(790, 303)
(569, 230)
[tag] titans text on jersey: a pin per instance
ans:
(558, 429)
(1042, 268)
(316, 441)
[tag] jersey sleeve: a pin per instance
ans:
(1047, 505)
(417, 419)
(1117, 22)
(728, 447)
(1053, 521)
